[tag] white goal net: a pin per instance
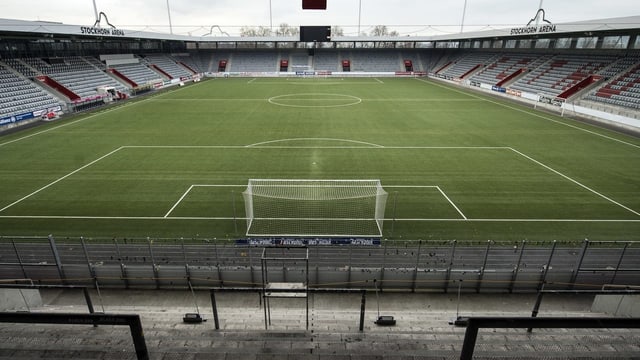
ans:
(331, 208)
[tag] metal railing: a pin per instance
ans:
(397, 265)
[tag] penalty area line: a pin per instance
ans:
(576, 182)
(60, 179)
(72, 217)
(451, 202)
(189, 190)
(179, 201)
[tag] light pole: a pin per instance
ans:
(95, 9)
(270, 16)
(359, 15)
(169, 13)
(464, 12)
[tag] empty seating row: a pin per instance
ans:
(198, 62)
(19, 96)
(623, 90)
(74, 73)
(561, 72)
(255, 62)
(86, 82)
(466, 63)
(503, 67)
(138, 73)
(327, 61)
(168, 65)
(375, 61)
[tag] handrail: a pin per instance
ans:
(132, 320)
(473, 324)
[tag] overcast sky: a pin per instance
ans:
(408, 17)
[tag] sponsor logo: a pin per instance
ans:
(514, 92)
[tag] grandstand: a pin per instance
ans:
(492, 204)
(19, 95)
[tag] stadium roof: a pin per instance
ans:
(44, 29)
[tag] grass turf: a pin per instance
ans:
(457, 165)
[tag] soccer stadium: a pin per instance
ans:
(306, 191)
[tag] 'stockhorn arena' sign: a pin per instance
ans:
(86, 30)
(548, 27)
(533, 29)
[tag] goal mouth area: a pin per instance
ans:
(314, 208)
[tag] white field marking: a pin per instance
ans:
(252, 80)
(424, 100)
(101, 112)
(378, 80)
(60, 179)
(357, 147)
(179, 201)
(314, 83)
(369, 145)
(370, 100)
(527, 220)
(313, 79)
(72, 217)
(209, 99)
(276, 100)
(450, 147)
(429, 186)
(221, 185)
(451, 202)
(325, 99)
(189, 189)
(575, 182)
(532, 113)
(315, 139)
(318, 81)
(183, 147)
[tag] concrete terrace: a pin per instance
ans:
(422, 330)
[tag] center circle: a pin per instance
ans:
(315, 100)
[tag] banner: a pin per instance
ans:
(308, 241)
(16, 118)
(498, 89)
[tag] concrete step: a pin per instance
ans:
(422, 332)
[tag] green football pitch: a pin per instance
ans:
(456, 164)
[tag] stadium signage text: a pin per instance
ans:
(533, 30)
(308, 241)
(86, 30)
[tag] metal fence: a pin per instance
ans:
(407, 265)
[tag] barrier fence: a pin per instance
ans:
(407, 265)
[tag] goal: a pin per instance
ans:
(314, 208)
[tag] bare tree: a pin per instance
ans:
(337, 31)
(382, 30)
(285, 30)
(252, 31)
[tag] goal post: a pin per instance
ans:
(314, 208)
(551, 102)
